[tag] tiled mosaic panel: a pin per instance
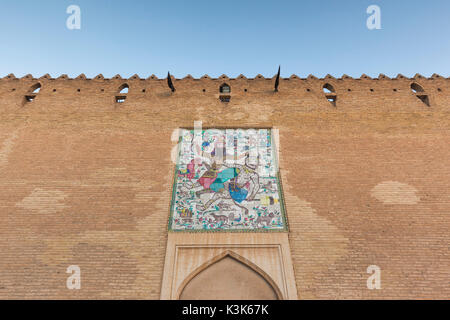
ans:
(226, 179)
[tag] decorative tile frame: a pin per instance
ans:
(226, 183)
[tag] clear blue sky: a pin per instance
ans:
(232, 37)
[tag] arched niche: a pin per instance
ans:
(123, 89)
(229, 277)
(416, 88)
(328, 88)
(224, 88)
(32, 92)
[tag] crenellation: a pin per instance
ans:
(300, 94)
(82, 77)
(99, 77)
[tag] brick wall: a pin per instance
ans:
(87, 181)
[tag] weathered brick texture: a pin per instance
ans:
(87, 181)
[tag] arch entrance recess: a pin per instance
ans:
(220, 265)
(229, 277)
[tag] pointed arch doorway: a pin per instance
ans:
(229, 277)
(219, 265)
